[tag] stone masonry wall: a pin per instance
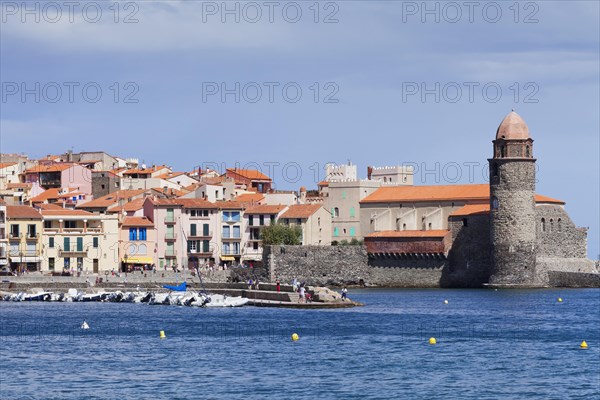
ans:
(560, 238)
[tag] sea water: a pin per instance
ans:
(505, 344)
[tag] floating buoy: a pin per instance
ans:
(432, 340)
(445, 301)
(85, 325)
(162, 335)
(560, 299)
(295, 337)
(583, 345)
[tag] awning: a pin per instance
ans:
(25, 259)
(227, 258)
(138, 260)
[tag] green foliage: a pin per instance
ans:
(281, 234)
(353, 242)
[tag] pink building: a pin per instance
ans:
(171, 247)
(60, 175)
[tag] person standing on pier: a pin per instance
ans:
(344, 293)
(278, 286)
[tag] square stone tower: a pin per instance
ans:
(512, 208)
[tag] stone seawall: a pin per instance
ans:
(573, 279)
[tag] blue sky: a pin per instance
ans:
(371, 67)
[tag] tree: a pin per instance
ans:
(281, 234)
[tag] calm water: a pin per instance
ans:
(491, 344)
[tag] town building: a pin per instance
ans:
(25, 238)
(313, 220)
(79, 241)
(137, 244)
(3, 238)
(256, 218)
(251, 178)
(60, 175)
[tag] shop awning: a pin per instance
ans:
(138, 260)
(25, 259)
(227, 258)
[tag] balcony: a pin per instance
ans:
(195, 253)
(170, 253)
(13, 236)
(200, 235)
(170, 220)
(170, 237)
(232, 238)
(72, 253)
(34, 236)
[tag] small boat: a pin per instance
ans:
(219, 300)
(37, 294)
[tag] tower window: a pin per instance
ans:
(465, 222)
(502, 151)
(543, 224)
(495, 203)
(559, 225)
(527, 151)
(551, 224)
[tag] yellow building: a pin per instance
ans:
(24, 237)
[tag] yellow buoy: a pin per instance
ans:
(560, 299)
(445, 301)
(162, 335)
(432, 340)
(583, 345)
(295, 337)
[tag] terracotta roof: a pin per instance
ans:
(409, 234)
(111, 198)
(66, 212)
(409, 194)
(137, 221)
(249, 197)
(22, 212)
(134, 205)
(301, 211)
(44, 206)
(197, 203)
(170, 191)
(59, 167)
(52, 193)
(170, 175)
(323, 183)
(7, 164)
(545, 199)
(265, 209)
(165, 202)
(472, 209)
(512, 127)
(248, 173)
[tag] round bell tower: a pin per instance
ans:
(512, 204)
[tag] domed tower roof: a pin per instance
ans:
(512, 127)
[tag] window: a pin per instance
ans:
(205, 231)
(132, 234)
(261, 220)
(343, 195)
(192, 246)
(465, 222)
(502, 151)
(559, 225)
(352, 212)
(79, 244)
(495, 203)
(527, 152)
(336, 212)
(70, 224)
(336, 232)
(429, 226)
(299, 221)
(226, 231)
(551, 224)
(205, 213)
(51, 242)
(255, 246)
(14, 231)
(236, 231)
(193, 230)
(142, 249)
(272, 219)
(51, 263)
(352, 232)
(403, 227)
(47, 224)
(66, 244)
(95, 242)
(543, 224)
(251, 220)
(142, 233)
(67, 263)
(206, 246)
(103, 186)
(79, 262)
(193, 213)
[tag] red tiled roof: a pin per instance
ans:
(472, 209)
(248, 174)
(52, 193)
(250, 197)
(18, 185)
(137, 221)
(323, 183)
(7, 164)
(197, 204)
(409, 194)
(22, 212)
(66, 212)
(229, 205)
(409, 234)
(301, 211)
(134, 205)
(265, 209)
(58, 167)
(44, 206)
(111, 198)
(545, 199)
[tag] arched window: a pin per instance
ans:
(403, 227)
(543, 224)
(495, 203)
(142, 249)
(559, 225)
(502, 151)
(527, 151)
(495, 170)
(336, 212)
(429, 226)
(551, 224)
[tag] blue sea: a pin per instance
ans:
(505, 344)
